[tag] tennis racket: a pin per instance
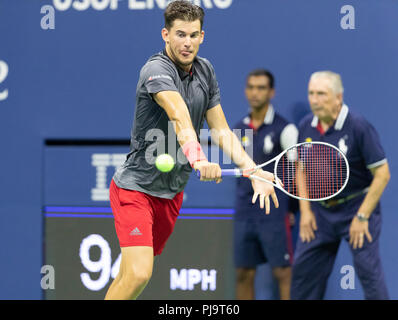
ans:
(313, 171)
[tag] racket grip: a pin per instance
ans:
(231, 172)
(226, 172)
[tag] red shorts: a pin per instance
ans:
(142, 219)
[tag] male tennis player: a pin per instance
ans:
(260, 238)
(354, 214)
(174, 85)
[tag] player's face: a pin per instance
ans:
(258, 92)
(325, 104)
(183, 41)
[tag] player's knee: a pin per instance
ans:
(244, 275)
(135, 278)
(142, 276)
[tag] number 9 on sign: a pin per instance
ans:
(103, 265)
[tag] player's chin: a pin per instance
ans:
(187, 60)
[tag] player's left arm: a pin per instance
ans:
(223, 136)
(359, 229)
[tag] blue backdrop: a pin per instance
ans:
(77, 81)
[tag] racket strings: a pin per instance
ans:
(312, 171)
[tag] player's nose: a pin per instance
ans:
(187, 42)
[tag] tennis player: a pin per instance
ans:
(174, 85)
(260, 238)
(354, 215)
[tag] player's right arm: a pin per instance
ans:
(177, 112)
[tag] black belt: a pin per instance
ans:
(334, 202)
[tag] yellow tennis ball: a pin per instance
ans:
(164, 162)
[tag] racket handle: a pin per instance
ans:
(226, 172)
(231, 172)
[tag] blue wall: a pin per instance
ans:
(78, 82)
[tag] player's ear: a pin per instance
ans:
(165, 35)
(202, 36)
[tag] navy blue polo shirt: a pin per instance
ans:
(271, 138)
(354, 136)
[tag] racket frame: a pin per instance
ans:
(243, 172)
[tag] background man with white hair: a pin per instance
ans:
(354, 215)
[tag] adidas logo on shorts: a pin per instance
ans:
(135, 232)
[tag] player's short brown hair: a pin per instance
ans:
(182, 10)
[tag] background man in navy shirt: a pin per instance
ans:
(354, 215)
(260, 238)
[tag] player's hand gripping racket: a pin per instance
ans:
(313, 171)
